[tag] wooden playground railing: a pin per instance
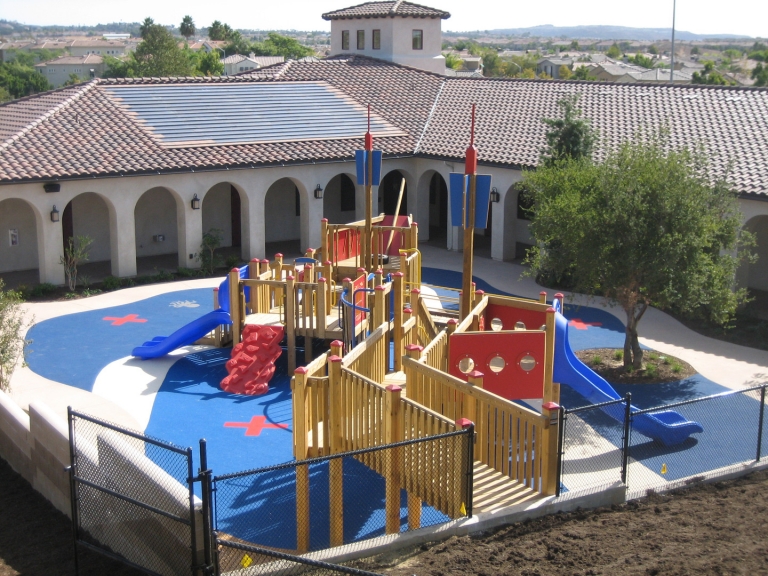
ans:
(515, 441)
(370, 357)
(435, 354)
(311, 402)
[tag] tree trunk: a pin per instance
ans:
(633, 353)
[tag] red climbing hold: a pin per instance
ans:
(253, 360)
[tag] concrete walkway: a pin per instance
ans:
(727, 364)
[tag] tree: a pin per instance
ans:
(569, 137)
(207, 256)
(575, 45)
(159, 55)
(710, 76)
(583, 73)
(641, 60)
(651, 226)
(75, 253)
(209, 63)
(277, 45)
(20, 80)
(73, 79)
(146, 25)
(216, 31)
(452, 61)
(614, 51)
(760, 75)
(187, 27)
(237, 44)
(564, 73)
(12, 326)
(655, 51)
(695, 51)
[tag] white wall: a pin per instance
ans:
(281, 222)
(16, 214)
(155, 213)
(90, 217)
(217, 211)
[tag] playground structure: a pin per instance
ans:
(402, 366)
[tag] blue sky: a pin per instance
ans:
(747, 17)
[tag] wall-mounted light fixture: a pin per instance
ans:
(51, 186)
(318, 192)
(195, 202)
(54, 214)
(495, 196)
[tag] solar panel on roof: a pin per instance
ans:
(247, 113)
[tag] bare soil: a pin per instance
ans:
(657, 368)
(719, 528)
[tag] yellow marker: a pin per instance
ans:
(246, 561)
(463, 509)
(663, 468)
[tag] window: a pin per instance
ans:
(418, 39)
(345, 39)
(376, 41)
(347, 194)
(361, 39)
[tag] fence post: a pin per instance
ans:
(254, 268)
(474, 378)
(415, 298)
(469, 474)
(398, 281)
(324, 239)
(235, 306)
(625, 439)
(300, 428)
(321, 312)
(560, 453)
(411, 336)
(760, 424)
(379, 312)
(335, 466)
(393, 466)
(549, 358)
(550, 435)
(207, 497)
(290, 322)
(72, 486)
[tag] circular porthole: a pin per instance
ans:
(543, 328)
(466, 365)
(527, 363)
(497, 364)
(519, 325)
(496, 324)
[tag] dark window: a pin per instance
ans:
(376, 42)
(418, 39)
(298, 201)
(345, 39)
(347, 194)
(524, 204)
(361, 39)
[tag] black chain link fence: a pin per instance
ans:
(599, 446)
(592, 446)
(252, 560)
(131, 496)
(324, 502)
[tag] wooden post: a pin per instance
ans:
(393, 465)
(310, 253)
(322, 310)
(234, 305)
(414, 243)
(290, 322)
(478, 297)
(398, 281)
(410, 338)
(336, 471)
(549, 479)
(252, 304)
(378, 306)
(324, 244)
(337, 348)
(300, 435)
(549, 357)
(474, 378)
(217, 331)
(469, 246)
(543, 297)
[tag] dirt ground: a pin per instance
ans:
(719, 528)
(657, 368)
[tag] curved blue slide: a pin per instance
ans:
(192, 332)
(668, 427)
(189, 334)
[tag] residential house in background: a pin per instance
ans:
(237, 63)
(114, 48)
(59, 71)
(551, 66)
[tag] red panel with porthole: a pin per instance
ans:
(509, 316)
(512, 363)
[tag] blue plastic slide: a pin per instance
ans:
(189, 334)
(668, 427)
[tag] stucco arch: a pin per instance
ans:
(389, 189)
(338, 209)
(434, 205)
(160, 225)
(226, 206)
(286, 221)
(509, 250)
(94, 215)
(24, 249)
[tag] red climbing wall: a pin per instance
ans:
(253, 360)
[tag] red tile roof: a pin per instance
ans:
(390, 9)
(82, 131)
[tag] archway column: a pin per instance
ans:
(50, 239)
(122, 242)
(189, 224)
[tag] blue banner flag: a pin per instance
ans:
(458, 183)
(483, 196)
(361, 163)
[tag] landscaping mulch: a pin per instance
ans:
(657, 368)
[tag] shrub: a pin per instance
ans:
(12, 327)
(187, 272)
(75, 253)
(207, 256)
(676, 367)
(651, 370)
(42, 289)
(232, 261)
(111, 283)
(596, 360)
(618, 354)
(653, 356)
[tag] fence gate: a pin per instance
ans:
(132, 497)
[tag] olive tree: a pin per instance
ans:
(12, 328)
(650, 226)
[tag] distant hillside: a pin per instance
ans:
(608, 33)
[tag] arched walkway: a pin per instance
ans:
(438, 208)
(156, 222)
(339, 200)
(755, 275)
(389, 191)
(285, 215)
(88, 215)
(19, 242)
(515, 223)
(224, 209)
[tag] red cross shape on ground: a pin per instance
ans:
(125, 319)
(579, 324)
(255, 426)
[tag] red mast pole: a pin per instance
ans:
(367, 240)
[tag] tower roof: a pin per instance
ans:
(388, 9)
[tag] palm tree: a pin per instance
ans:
(187, 27)
(146, 25)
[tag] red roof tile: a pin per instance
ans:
(389, 9)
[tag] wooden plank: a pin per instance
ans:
(302, 508)
(336, 501)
